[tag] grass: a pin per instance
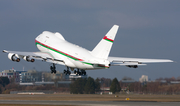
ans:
(91, 97)
(29, 105)
(86, 97)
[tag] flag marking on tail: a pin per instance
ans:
(107, 39)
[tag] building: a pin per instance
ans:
(143, 78)
(11, 74)
(47, 76)
(33, 77)
(30, 76)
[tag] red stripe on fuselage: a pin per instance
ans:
(58, 51)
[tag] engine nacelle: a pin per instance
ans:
(132, 66)
(13, 57)
(27, 58)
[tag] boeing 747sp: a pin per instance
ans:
(55, 49)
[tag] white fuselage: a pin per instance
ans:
(55, 49)
(72, 55)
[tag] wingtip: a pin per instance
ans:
(4, 51)
(168, 60)
(172, 61)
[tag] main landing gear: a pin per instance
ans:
(67, 72)
(81, 72)
(77, 72)
(53, 69)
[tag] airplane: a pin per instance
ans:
(56, 50)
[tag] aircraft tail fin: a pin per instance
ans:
(103, 48)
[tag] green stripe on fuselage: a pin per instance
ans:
(56, 51)
(65, 54)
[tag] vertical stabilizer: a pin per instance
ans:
(103, 48)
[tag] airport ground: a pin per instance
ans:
(88, 99)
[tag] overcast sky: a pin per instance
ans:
(148, 29)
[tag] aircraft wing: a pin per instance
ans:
(45, 56)
(115, 61)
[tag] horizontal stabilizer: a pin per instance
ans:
(139, 60)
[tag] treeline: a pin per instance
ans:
(7, 85)
(3, 82)
(92, 86)
(152, 88)
(85, 86)
(160, 86)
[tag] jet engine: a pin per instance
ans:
(27, 58)
(14, 57)
(132, 66)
